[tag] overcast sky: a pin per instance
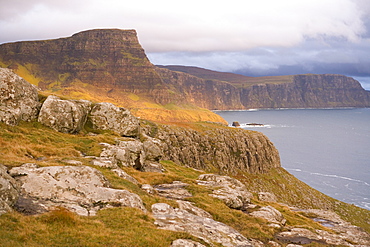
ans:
(264, 37)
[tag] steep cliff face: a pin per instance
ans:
(210, 148)
(296, 91)
(210, 94)
(307, 91)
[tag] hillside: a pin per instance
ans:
(77, 173)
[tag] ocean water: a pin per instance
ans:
(329, 149)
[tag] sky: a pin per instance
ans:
(254, 38)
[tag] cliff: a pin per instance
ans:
(296, 91)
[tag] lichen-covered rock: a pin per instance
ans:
(81, 189)
(143, 156)
(8, 191)
(175, 190)
(67, 116)
(231, 191)
(207, 229)
(267, 196)
(106, 116)
(18, 98)
(270, 214)
(186, 243)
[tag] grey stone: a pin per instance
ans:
(176, 190)
(267, 196)
(231, 191)
(270, 214)
(18, 98)
(67, 116)
(8, 191)
(209, 230)
(106, 116)
(81, 189)
(186, 243)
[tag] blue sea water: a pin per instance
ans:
(329, 149)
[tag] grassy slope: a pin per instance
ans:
(131, 227)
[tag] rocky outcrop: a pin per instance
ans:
(67, 116)
(8, 191)
(81, 189)
(141, 155)
(18, 99)
(231, 191)
(106, 116)
(209, 230)
(216, 148)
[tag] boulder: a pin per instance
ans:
(67, 116)
(81, 189)
(8, 191)
(143, 156)
(186, 243)
(106, 116)
(267, 196)
(207, 229)
(270, 214)
(231, 191)
(18, 98)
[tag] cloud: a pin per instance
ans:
(197, 26)
(262, 37)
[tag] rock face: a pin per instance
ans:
(67, 116)
(18, 99)
(81, 189)
(210, 94)
(231, 191)
(8, 191)
(106, 116)
(216, 148)
(307, 91)
(209, 230)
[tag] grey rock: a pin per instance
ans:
(209, 230)
(231, 191)
(8, 191)
(270, 214)
(67, 116)
(143, 156)
(267, 196)
(186, 243)
(106, 116)
(344, 230)
(148, 189)
(18, 98)
(176, 190)
(81, 189)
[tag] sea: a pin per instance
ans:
(328, 149)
